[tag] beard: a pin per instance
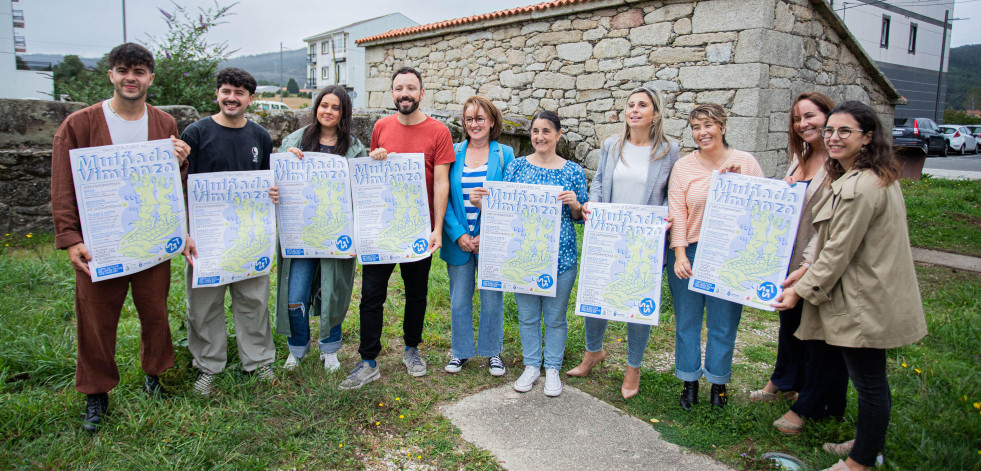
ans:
(406, 105)
(121, 92)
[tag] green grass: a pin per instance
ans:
(304, 422)
(944, 214)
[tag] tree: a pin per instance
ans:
(973, 99)
(87, 85)
(186, 61)
(292, 86)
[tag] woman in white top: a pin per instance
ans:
(634, 169)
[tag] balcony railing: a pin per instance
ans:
(311, 83)
(312, 58)
(18, 16)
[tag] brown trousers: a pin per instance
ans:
(97, 310)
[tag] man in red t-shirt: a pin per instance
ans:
(409, 130)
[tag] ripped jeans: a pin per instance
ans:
(302, 275)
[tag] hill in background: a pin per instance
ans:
(963, 73)
(264, 67)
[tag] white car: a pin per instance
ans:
(959, 139)
(261, 105)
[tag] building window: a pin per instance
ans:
(884, 39)
(340, 72)
(325, 73)
(912, 39)
(340, 43)
(325, 47)
(312, 79)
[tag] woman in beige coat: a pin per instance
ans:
(861, 291)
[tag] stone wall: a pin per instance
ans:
(27, 128)
(581, 60)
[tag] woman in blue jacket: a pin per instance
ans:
(479, 158)
(634, 169)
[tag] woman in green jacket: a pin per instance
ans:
(321, 287)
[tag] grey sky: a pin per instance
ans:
(90, 28)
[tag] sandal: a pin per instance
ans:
(839, 466)
(787, 427)
(762, 395)
(840, 449)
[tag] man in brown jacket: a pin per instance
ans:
(124, 118)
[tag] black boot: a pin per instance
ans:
(689, 395)
(719, 397)
(153, 387)
(96, 406)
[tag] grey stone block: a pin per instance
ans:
(575, 52)
(770, 47)
(715, 77)
(748, 134)
(732, 15)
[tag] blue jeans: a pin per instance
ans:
(490, 331)
(721, 318)
(303, 272)
(533, 310)
(637, 337)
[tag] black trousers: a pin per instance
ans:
(374, 292)
(867, 370)
(813, 368)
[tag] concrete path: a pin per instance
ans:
(952, 260)
(952, 174)
(529, 431)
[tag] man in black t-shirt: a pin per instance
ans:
(227, 142)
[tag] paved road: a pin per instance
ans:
(966, 167)
(970, 163)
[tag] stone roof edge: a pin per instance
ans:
(849, 41)
(487, 21)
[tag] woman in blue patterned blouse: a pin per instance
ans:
(545, 167)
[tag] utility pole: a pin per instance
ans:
(280, 70)
(124, 20)
(940, 75)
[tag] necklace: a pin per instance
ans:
(109, 102)
(328, 139)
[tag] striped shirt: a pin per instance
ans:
(688, 190)
(472, 178)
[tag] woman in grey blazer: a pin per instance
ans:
(633, 168)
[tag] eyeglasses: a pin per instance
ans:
(843, 132)
(479, 120)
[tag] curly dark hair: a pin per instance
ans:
(876, 155)
(310, 141)
(130, 55)
(236, 78)
(408, 70)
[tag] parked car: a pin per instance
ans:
(918, 133)
(959, 139)
(270, 105)
(975, 130)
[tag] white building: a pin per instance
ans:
(15, 83)
(334, 58)
(906, 39)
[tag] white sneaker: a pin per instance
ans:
(553, 382)
(527, 379)
(291, 363)
(330, 362)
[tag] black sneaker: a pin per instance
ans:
(154, 389)
(496, 366)
(455, 365)
(96, 407)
